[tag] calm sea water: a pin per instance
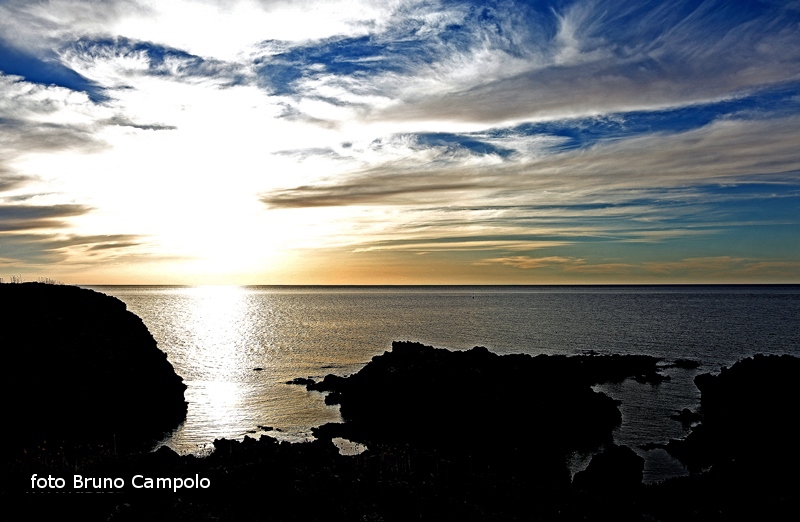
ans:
(236, 347)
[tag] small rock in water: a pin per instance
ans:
(651, 378)
(301, 381)
(687, 417)
(686, 364)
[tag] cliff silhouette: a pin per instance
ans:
(80, 369)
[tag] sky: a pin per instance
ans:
(400, 141)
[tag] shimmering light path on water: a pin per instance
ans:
(237, 346)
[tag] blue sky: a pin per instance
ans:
(401, 142)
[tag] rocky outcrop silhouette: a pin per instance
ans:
(610, 488)
(748, 415)
(742, 453)
(79, 369)
(687, 417)
(617, 470)
(538, 409)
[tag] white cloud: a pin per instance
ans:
(218, 29)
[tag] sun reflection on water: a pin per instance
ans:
(235, 373)
(214, 391)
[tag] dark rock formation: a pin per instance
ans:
(302, 381)
(80, 369)
(617, 470)
(609, 488)
(515, 415)
(743, 453)
(435, 397)
(651, 378)
(687, 417)
(749, 415)
(686, 364)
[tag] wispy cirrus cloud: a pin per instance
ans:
(721, 152)
(29, 217)
(120, 60)
(122, 121)
(44, 249)
(35, 117)
(494, 62)
(9, 180)
(716, 268)
(527, 262)
(611, 58)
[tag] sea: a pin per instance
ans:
(237, 347)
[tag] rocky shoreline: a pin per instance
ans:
(422, 413)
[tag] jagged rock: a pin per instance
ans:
(687, 417)
(748, 412)
(538, 409)
(301, 381)
(648, 446)
(686, 364)
(651, 378)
